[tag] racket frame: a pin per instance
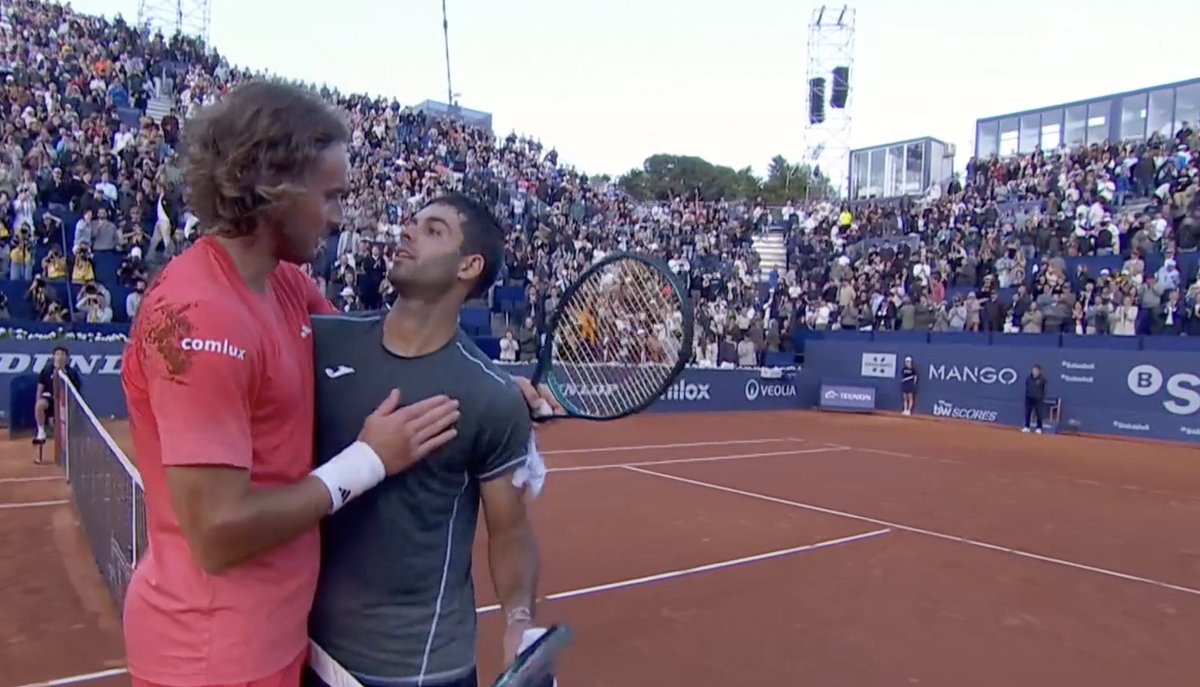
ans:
(545, 359)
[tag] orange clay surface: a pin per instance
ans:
(976, 557)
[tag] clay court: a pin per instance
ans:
(791, 548)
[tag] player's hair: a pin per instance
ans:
(61, 348)
(482, 235)
(250, 152)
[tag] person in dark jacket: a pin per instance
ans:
(1035, 397)
(908, 385)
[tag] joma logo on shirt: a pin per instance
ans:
(212, 346)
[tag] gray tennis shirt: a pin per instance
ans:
(395, 604)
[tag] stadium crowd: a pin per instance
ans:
(93, 206)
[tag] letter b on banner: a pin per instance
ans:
(1145, 380)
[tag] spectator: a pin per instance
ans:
(746, 355)
(1032, 321)
(54, 265)
(527, 341)
(508, 348)
(94, 306)
(91, 158)
(133, 301)
(1125, 318)
(84, 269)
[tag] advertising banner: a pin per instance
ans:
(847, 398)
(1148, 394)
(707, 390)
(98, 363)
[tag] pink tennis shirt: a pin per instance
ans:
(217, 374)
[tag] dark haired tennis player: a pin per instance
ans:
(395, 604)
(218, 377)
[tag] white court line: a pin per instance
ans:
(929, 533)
(85, 677)
(31, 504)
(17, 480)
(1028, 474)
(701, 568)
(577, 592)
(705, 459)
(646, 447)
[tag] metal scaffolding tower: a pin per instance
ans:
(830, 47)
(189, 17)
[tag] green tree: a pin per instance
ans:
(663, 176)
(790, 181)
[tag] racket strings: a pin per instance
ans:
(619, 338)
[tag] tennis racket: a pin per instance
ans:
(535, 664)
(619, 338)
(532, 667)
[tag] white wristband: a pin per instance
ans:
(350, 473)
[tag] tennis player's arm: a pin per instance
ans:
(201, 378)
(512, 546)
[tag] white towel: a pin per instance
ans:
(532, 475)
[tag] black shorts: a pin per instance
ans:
(908, 387)
(48, 397)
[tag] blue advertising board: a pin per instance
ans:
(1144, 394)
(98, 363)
(707, 390)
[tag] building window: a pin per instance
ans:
(859, 174)
(986, 139)
(1029, 133)
(875, 184)
(914, 158)
(1133, 117)
(1161, 115)
(1009, 133)
(1097, 122)
(1187, 106)
(1051, 131)
(893, 181)
(1076, 126)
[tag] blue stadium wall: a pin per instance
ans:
(1145, 394)
(100, 366)
(1145, 390)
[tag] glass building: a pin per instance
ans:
(903, 168)
(1125, 116)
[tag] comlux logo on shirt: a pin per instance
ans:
(212, 346)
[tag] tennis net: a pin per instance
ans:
(106, 489)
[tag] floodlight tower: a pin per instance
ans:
(830, 97)
(189, 17)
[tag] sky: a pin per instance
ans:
(609, 83)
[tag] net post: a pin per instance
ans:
(60, 423)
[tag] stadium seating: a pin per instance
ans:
(945, 269)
